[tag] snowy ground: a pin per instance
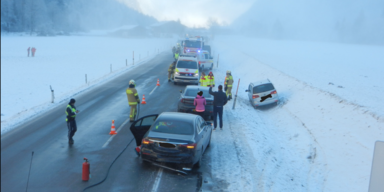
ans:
(320, 137)
(62, 62)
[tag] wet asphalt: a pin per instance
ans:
(57, 166)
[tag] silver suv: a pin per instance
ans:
(262, 93)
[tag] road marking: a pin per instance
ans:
(157, 180)
(118, 129)
(153, 90)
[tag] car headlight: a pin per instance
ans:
(177, 73)
(196, 74)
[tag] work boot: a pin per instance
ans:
(169, 80)
(71, 141)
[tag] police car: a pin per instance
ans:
(186, 70)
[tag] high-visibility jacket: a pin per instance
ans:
(172, 67)
(229, 81)
(203, 81)
(133, 96)
(210, 80)
(70, 111)
(176, 55)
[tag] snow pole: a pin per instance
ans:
(234, 103)
(218, 56)
(133, 58)
(53, 95)
(126, 62)
(111, 68)
(86, 79)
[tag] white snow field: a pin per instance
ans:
(62, 62)
(320, 137)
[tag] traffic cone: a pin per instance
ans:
(143, 102)
(113, 130)
(158, 83)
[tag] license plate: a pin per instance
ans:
(193, 110)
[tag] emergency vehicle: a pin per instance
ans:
(187, 70)
(205, 60)
(192, 46)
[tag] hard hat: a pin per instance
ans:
(210, 73)
(132, 82)
(228, 71)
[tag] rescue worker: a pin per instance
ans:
(173, 50)
(133, 99)
(203, 80)
(178, 49)
(228, 85)
(71, 111)
(171, 70)
(33, 51)
(29, 48)
(177, 56)
(210, 79)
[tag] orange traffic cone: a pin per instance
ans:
(143, 102)
(158, 83)
(113, 130)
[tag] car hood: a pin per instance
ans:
(185, 70)
(170, 137)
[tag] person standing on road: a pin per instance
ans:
(171, 70)
(71, 111)
(176, 55)
(219, 100)
(173, 50)
(228, 85)
(203, 80)
(200, 103)
(33, 51)
(210, 79)
(133, 99)
(29, 48)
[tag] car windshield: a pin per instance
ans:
(173, 127)
(263, 88)
(187, 64)
(193, 93)
(193, 44)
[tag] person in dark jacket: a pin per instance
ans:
(71, 111)
(219, 100)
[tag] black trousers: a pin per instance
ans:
(72, 128)
(218, 110)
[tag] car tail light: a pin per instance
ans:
(146, 142)
(189, 146)
(274, 92)
(199, 62)
(255, 96)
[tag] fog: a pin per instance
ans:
(346, 21)
(343, 21)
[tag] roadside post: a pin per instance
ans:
(234, 103)
(126, 62)
(133, 58)
(218, 56)
(53, 95)
(111, 68)
(86, 79)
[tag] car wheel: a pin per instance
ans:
(198, 164)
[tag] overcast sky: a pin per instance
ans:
(192, 12)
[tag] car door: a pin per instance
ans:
(141, 126)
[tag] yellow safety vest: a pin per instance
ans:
(72, 109)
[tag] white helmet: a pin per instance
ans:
(132, 82)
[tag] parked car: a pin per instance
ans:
(205, 61)
(262, 93)
(187, 70)
(174, 138)
(186, 101)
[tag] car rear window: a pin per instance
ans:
(173, 127)
(263, 88)
(187, 64)
(193, 44)
(193, 93)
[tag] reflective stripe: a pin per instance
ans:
(136, 94)
(129, 91)
(132, 103)
(72, 109)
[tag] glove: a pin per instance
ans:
(225, 88)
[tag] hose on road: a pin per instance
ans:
(109, 168)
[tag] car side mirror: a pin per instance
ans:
(247, 90)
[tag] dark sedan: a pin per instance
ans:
(187, 99)
(174, 138)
